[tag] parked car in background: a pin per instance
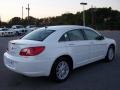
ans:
(30, 28)
(6, 32)
(19, 29)
(57, 50)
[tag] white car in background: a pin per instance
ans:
(57, 50)
(19, 29)
(6, 32)
(30, 28)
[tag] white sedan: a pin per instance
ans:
(31, 28)
(18, 29)
(56, 50)
(6, 32)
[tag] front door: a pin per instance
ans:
(97, 47)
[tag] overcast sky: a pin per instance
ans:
(46, 8)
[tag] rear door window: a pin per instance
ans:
(75, 35)
(72, 35)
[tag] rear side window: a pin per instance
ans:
(75, 35)
(72, 35)
(38, 35)
(64, 37)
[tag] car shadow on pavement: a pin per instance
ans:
(20, 80)
(82, 75)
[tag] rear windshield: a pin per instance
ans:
(38, 35)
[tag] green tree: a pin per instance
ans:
(14, 21)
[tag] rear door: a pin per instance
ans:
(78, 46)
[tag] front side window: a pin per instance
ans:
(72, 35)
(90, 35)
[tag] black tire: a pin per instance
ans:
(55, 72)
(111, 50)
(3, 34)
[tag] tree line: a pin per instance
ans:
(98, 18)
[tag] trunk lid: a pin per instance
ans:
(15, 46)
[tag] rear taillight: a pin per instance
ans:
(32, 51)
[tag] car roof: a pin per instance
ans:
(64, 27)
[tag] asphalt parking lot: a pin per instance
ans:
(95, 76)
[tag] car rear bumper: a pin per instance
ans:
(32, 68)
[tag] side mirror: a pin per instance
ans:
(100, 38)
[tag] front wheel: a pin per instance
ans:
(61, 70)
(110, 54)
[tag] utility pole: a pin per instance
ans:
(28, 8)
(83, 12)
(22, 12)
(0, 21)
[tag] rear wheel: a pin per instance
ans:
(3, 34)
(61, 70)
(110, 54)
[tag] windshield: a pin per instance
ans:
(32, 26)
(38, 35)
(19, 26)
(4, 29)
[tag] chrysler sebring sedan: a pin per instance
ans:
(57, 50)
